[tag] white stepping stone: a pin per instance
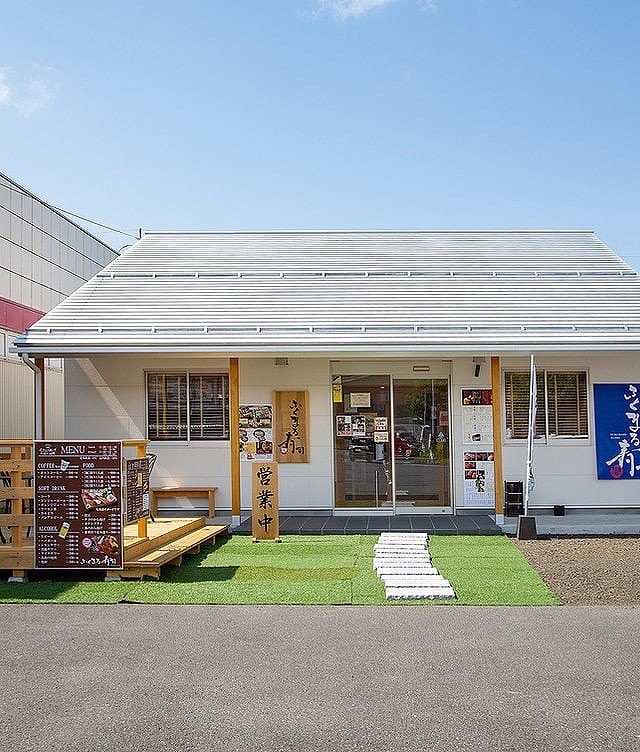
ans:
(400, 551)
(422, 593)
(400, 569)
(412, 556)
(426, 561)
(414, 580)
(407, 556)
(402, 543)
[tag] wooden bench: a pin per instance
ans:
(172, 492)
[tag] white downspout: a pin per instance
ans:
(37, 397)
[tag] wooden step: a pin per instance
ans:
(171, 552)
(135, 547)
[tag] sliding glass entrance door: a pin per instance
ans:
(361, 427)
(421, 445)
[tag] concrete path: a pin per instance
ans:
(574, 523)
(286, 679)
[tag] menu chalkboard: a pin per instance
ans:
(137, 473)
(78, 505)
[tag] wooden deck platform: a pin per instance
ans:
(168, 540)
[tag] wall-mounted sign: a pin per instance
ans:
(360, 399)
(292, 426)
(479, 479)
(380, 437)
(265, 522)
(256, 433)
(477, 416)
(336, 388)
(617, 417)
(137, 476)
(78, 505)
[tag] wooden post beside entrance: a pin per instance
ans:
(497, 435)
(141, 451)
(234, 420)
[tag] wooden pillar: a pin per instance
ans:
(141, 451)
(234, 418)
(496, 391)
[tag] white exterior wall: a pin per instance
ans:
(44, 257)
(565, 470)
(105, 399)
(304, 485)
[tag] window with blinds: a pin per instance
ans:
(561, 405)
(208, 406)
(567, 404)
(184, 406)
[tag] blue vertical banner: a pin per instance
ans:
(617, 415)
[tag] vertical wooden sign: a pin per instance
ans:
(291, 434)
(265, 520)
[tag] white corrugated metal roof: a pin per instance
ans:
(351, 290)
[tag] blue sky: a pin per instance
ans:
(261, 114)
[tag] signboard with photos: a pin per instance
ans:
(256, 433)
(137, 477)
(78, 505)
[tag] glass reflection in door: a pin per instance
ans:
(361, 426)
(421, 443)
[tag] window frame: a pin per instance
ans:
(188, 373)
(548, 439)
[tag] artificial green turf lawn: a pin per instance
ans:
(63, 592)
(309, 570)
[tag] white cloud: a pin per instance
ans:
(344, 9)
(5, 91)
(26, 96)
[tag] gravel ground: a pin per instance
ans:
(589, 571)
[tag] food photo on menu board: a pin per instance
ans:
(78, 505)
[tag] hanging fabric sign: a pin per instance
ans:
(617, 416)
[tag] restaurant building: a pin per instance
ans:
(386, 372)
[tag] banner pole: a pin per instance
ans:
(529, 481)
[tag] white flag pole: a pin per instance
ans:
(529, 480)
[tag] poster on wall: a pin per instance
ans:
(292, 427)
(336, 388)
(479, 479)
(343, 425)
(78, 505)
(358, 426)
(360, 399)
(256, 433)
(477, 416)
(617, 418)
(265, 523)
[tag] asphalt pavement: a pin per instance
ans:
(156, 678)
